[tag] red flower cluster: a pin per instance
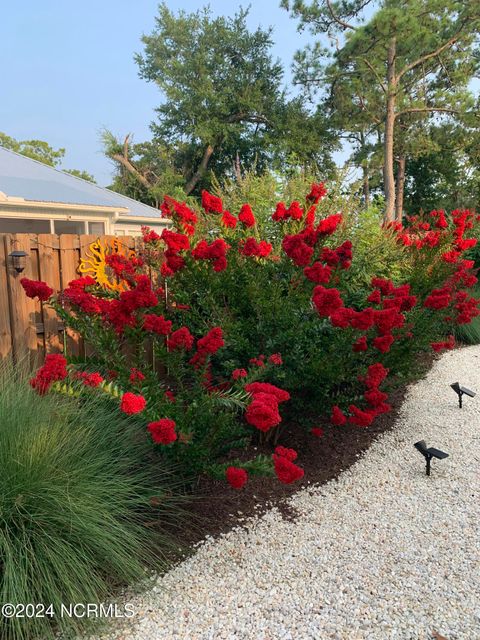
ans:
(317, 192)
(263, 412)
(391, 297)
(326, 301)
(156, 324)
(162, 431)
(310, 217)
(149, 235)
(383, 343)
(207, 346)
(440, 219)
(236, 477)
(438, 299)
(228, 220)
(341, 256)
(276, 359)
(131, 403)
(90, 379)
(445, 344)
(170, 396)
(36, 289)
(176, 242)
(121, 265)
(338, 418)
(463, 220)
(215, 252)
(136, 376)
(53, 369)
(329, 225)
(318, 273)
(466, 307)
(140, 296)
(376, 374)
(250, 247)
(180, 339)
(258, 362)
(360, 344)
(77, 295)
(285, 469)
(211, 203)
(246, 216)
(183, 215)
(239, 373)
(359, 417)
(294, 211)
(362, 320)
(297, 249)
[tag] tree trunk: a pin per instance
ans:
(200, 172)
(388, 177)
(366, 186)
(400, 189)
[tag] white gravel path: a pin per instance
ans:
(382, 553)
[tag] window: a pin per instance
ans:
(24, 225)
(69, 226)
(96, 228)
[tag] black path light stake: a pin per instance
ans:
(459, 390)
(429, 453)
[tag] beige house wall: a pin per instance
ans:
(117, 221)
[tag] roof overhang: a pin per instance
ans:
(14, 203)
(143, 219)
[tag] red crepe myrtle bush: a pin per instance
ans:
(191, 415)
(319, 302)
(313, 296)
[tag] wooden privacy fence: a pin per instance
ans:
(27, 327)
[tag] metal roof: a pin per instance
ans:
(29, 179)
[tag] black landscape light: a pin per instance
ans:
(429, 453)
(18, 260)
(459, 390)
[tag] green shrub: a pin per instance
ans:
(73, 500)
(312, 295)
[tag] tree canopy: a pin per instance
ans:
(388, 70)
(390, 78)
(223, 106)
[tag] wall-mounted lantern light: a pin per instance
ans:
(19, 259)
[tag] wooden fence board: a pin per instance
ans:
(85, 242)
(49, 271)
(28, 328)
(5, 328)
(22, 309)
(69, 259)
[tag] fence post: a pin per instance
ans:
(22, 308)
(49, 272)
(69, 258)
(5, 328)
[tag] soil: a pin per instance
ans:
(217, 508)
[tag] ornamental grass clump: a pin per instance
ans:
(75, 494)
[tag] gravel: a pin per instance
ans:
(382, 553)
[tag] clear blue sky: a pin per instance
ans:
(67, 69)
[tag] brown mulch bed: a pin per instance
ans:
(217, 508)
